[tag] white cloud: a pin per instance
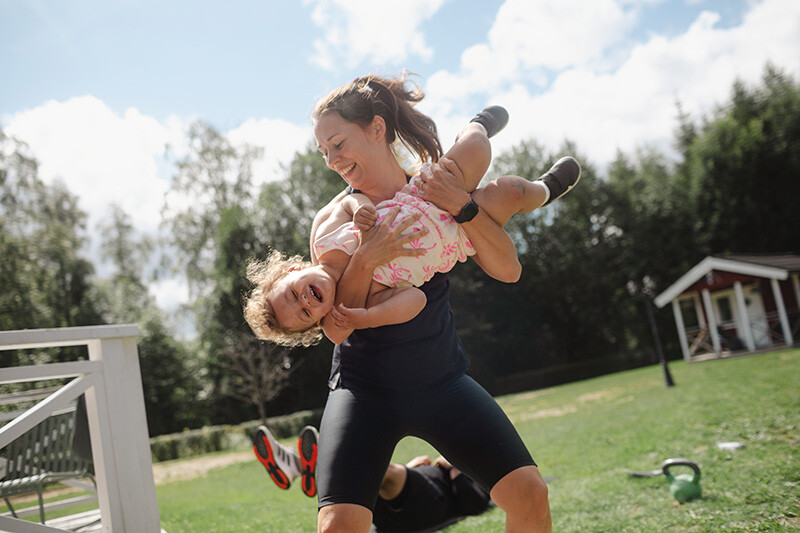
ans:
(530, 39)
(376, 31)
(558, 34)
(280, 141)
(101, 156)
(605, 109)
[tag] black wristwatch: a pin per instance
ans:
(467, 213)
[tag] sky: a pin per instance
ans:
(103, 91)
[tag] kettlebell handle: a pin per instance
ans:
(669, 463)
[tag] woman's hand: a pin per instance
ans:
(442, 184)
(385, 241)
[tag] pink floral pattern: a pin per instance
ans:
(446, 243)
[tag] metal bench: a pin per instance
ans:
(46, 454)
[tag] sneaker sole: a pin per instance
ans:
(263, 451)
(307, 446)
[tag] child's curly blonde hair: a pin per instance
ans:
(258, 310)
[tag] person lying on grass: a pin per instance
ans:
(420, 495)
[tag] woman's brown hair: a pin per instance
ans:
(363, 98)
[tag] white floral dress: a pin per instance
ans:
(446, 243)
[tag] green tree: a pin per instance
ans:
(210, 193)
(742, 169)
(217, 222)
(171, 386)
(46, 280)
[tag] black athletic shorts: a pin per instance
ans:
(360, 430)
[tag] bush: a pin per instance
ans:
(192, 442)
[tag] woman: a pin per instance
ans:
(409, 379)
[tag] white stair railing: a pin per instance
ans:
(111, 381)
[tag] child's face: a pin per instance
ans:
(302, 297)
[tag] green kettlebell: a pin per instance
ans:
(683, 487)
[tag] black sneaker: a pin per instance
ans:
(494, 118)
(279, 460)
(561, 177)
(307, 447)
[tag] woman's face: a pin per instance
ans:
(354, 152)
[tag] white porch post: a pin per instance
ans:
(676, 311)
(787, 331)
(698, 309)
(744, 319)
(120, 445)
(712, 322)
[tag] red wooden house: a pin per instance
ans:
(736, 303)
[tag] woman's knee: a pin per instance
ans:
(343, 518)
(523, 492)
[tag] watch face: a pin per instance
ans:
(467, 213)
(471, 210)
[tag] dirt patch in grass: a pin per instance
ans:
(548, 413)
(165, 472)
(191, 468)
(601, 395)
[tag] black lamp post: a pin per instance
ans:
(646, 293)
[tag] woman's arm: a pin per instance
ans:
(389, 306)
(495, 252)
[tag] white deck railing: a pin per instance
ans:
(111, 380)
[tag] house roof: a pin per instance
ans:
(762, 266)
(786, 261)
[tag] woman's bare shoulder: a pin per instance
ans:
(321, 217)
(324, 213)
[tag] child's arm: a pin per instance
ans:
(350, 207)
(378, 245)
(389, 306)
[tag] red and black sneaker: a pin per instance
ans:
(307, 446)
(279, 460)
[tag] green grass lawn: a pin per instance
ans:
(586, 433)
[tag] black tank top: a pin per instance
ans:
(404, 357)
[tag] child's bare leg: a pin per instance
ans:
(509, 195)
(472, 150)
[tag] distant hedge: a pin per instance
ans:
(192, 442)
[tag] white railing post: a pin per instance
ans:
(126, 478)
(112, 383)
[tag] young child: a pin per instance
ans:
(292, 297)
